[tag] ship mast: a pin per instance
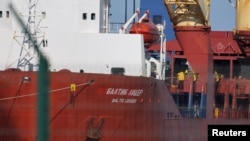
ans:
(27, 59)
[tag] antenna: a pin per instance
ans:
(28, 57)
(43, 83)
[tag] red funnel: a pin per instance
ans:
(195, 42)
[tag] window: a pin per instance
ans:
(43, 15)
(119, 71)
(84, 16)
(157, 19)
(7, 14)
(92, 16)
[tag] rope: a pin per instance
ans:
(32, 94)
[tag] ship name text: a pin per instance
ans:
(119, 91)
(124, 92)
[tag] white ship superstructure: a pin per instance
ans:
(73, 35)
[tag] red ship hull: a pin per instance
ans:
(132, 108)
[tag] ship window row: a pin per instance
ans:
(4, 14)
(85, 16)
(7, 14)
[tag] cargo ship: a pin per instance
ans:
(116, 86)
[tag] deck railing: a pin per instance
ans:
(231, 99)
(197, 112)
(194, 112)
(232, 113)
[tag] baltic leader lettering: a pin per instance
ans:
(119, 91)
(124, 92)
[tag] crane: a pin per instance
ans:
(191, 23)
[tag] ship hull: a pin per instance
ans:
(131, 108)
